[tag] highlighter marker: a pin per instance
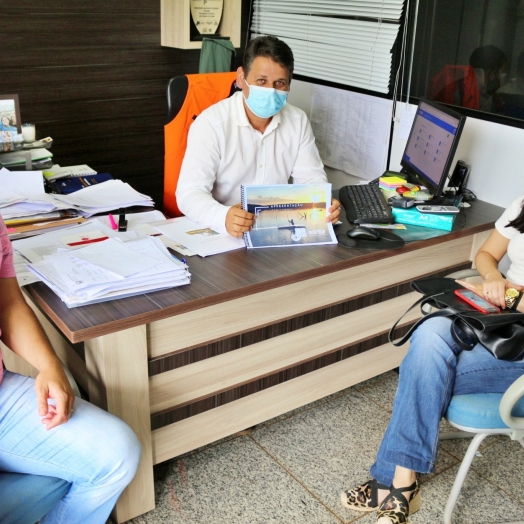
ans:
(114, 227)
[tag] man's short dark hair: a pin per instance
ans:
(269, 47)
(488, 57)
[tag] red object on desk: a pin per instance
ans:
(90, 241)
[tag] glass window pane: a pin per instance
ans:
(470, 53)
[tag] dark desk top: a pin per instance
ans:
(233, 275)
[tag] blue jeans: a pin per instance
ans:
(434, 369)
(95, 451)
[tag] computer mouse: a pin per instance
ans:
(365, 233)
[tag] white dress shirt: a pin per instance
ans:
(225, 151)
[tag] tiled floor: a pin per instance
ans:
(291, 470)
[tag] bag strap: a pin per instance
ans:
(421, 301)
(459, 324)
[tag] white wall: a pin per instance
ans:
(495, 153)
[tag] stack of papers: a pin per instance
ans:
(104, 197)
(22, 195)
(109, 269)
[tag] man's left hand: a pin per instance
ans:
(53, 383)
(334, 211)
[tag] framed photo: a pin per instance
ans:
(10, 114)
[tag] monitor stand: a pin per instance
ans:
(441, 201)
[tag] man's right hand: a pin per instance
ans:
(238, 221)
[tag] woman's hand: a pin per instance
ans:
(493, 289)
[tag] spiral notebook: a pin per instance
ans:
(55, 171)
(288, 215)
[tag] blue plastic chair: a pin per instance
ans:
(480, 415)
(25, 499)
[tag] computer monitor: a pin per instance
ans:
(431, 146)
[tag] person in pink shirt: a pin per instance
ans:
(44, 429)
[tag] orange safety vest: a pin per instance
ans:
(453, 79)
(203, 91)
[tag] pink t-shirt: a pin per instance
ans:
(7, 269)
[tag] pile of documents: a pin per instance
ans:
(101, 268)
(22, 195)
(104, 197)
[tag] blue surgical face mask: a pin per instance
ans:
(265, 102)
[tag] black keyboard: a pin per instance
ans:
(365, 204)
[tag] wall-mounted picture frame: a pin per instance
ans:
(10, 114)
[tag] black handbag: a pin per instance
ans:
(502, 334)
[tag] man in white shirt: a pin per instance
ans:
(253, 137)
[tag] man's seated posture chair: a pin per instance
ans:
(187, 97)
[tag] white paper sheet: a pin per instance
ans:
(27, 183)
(407, 116)
(351, 130)
(117, 258)
(35, 248)
(199, 238)
(111, 194)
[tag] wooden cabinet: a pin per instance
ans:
(175, 22)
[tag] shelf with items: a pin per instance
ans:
(176, 24)
(24, 149)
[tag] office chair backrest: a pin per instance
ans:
(187, 97)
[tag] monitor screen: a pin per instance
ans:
(431, 145)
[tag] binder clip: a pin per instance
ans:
(122, 222)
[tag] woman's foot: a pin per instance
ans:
(399, 504)
(366, 497)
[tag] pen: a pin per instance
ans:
(114, 227)
(90, 241)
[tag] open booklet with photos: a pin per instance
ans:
(288, 215)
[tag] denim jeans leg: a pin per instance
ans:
(433, 370)
(426, 382)
(94, 450)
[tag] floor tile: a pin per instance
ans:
(479, 502)
(458, 447)
(233, 483)
(503, 465)
(377, 379)
(381, 389)
(329, 448)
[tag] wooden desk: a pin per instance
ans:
(256, 334)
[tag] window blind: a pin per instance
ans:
(344, 41)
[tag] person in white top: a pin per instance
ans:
(253, 137)
(436, 368)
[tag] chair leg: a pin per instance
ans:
(449, 435)
(461, 475)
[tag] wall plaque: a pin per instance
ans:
(206, 15)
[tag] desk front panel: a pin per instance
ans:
(359, 303)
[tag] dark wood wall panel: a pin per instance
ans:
(93, 76)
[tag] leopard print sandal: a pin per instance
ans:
(395, 508)
(363, 498)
